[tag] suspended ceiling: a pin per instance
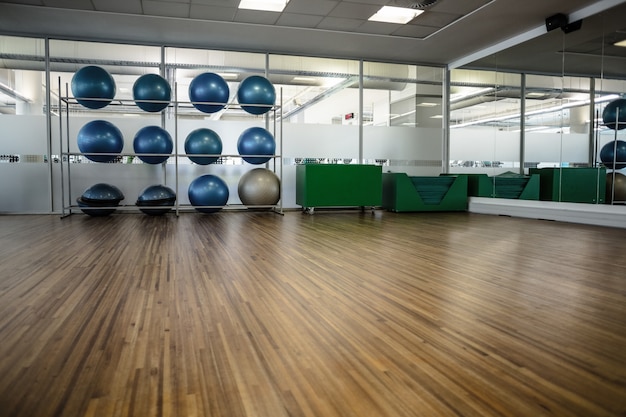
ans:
(451, 32)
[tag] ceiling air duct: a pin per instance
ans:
(420, 5)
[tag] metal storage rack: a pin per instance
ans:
(67, 156)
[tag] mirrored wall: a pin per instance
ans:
(537, 108)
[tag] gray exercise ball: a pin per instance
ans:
(259, 187)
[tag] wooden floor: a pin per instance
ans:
(337, 314)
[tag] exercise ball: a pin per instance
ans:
(619, 191)
(93, 82)
(153, 140)
(203, 141)
(608, 154)
(209, 88)
(208, 190)
(260, 187)
(610, 117)
(256, 141)
(156, 200)
(152, 93)
(258, 92)
(100, 136)
(100, 199)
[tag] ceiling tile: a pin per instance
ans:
(221, 3)
(319, 7)
(118, 6)
(415, 31)
(299, 20)
(165, 8)
(200, 11)
(354, 10)
(377, 2)
(436, 19)
(256, 16)
(459, 7)
(29, 2)
(378, 28)
(340, 24)
(70, 4)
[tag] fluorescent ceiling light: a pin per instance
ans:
(305, 80)
(228, 75)
(427, 104)
(621, 43)
(390, 14)
(267, 5)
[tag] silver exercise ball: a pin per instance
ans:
(259, 186)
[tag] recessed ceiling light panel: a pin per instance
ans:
(390, 14)
(266, 5)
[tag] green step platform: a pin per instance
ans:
(402, 193)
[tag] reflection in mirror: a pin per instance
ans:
(568, 78)
(484, 121)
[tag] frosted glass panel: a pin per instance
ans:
(24, 188)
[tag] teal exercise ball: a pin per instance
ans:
(208, 92)
(100, 137)
(95, 83)
(256, 95)
(153, 140)
(610, 114)
(203, 141)
(613, 154)
(208, 190)
(256, 141)
(152, 93)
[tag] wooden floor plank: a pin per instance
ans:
(253, 314)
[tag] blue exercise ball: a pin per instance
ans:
(259, 186)
(259, 92)
(209, 88)
(153, 140)
(208, 190)
(152, 93)
(203, 141)
(100, 199)
(256, 141)
(95, 83)
(100, 137)
(614, 151)
(610, 117)
(156, 200)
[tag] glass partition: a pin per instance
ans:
(24, 166)
(74, 171)
(320, 113)
(403, 116)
